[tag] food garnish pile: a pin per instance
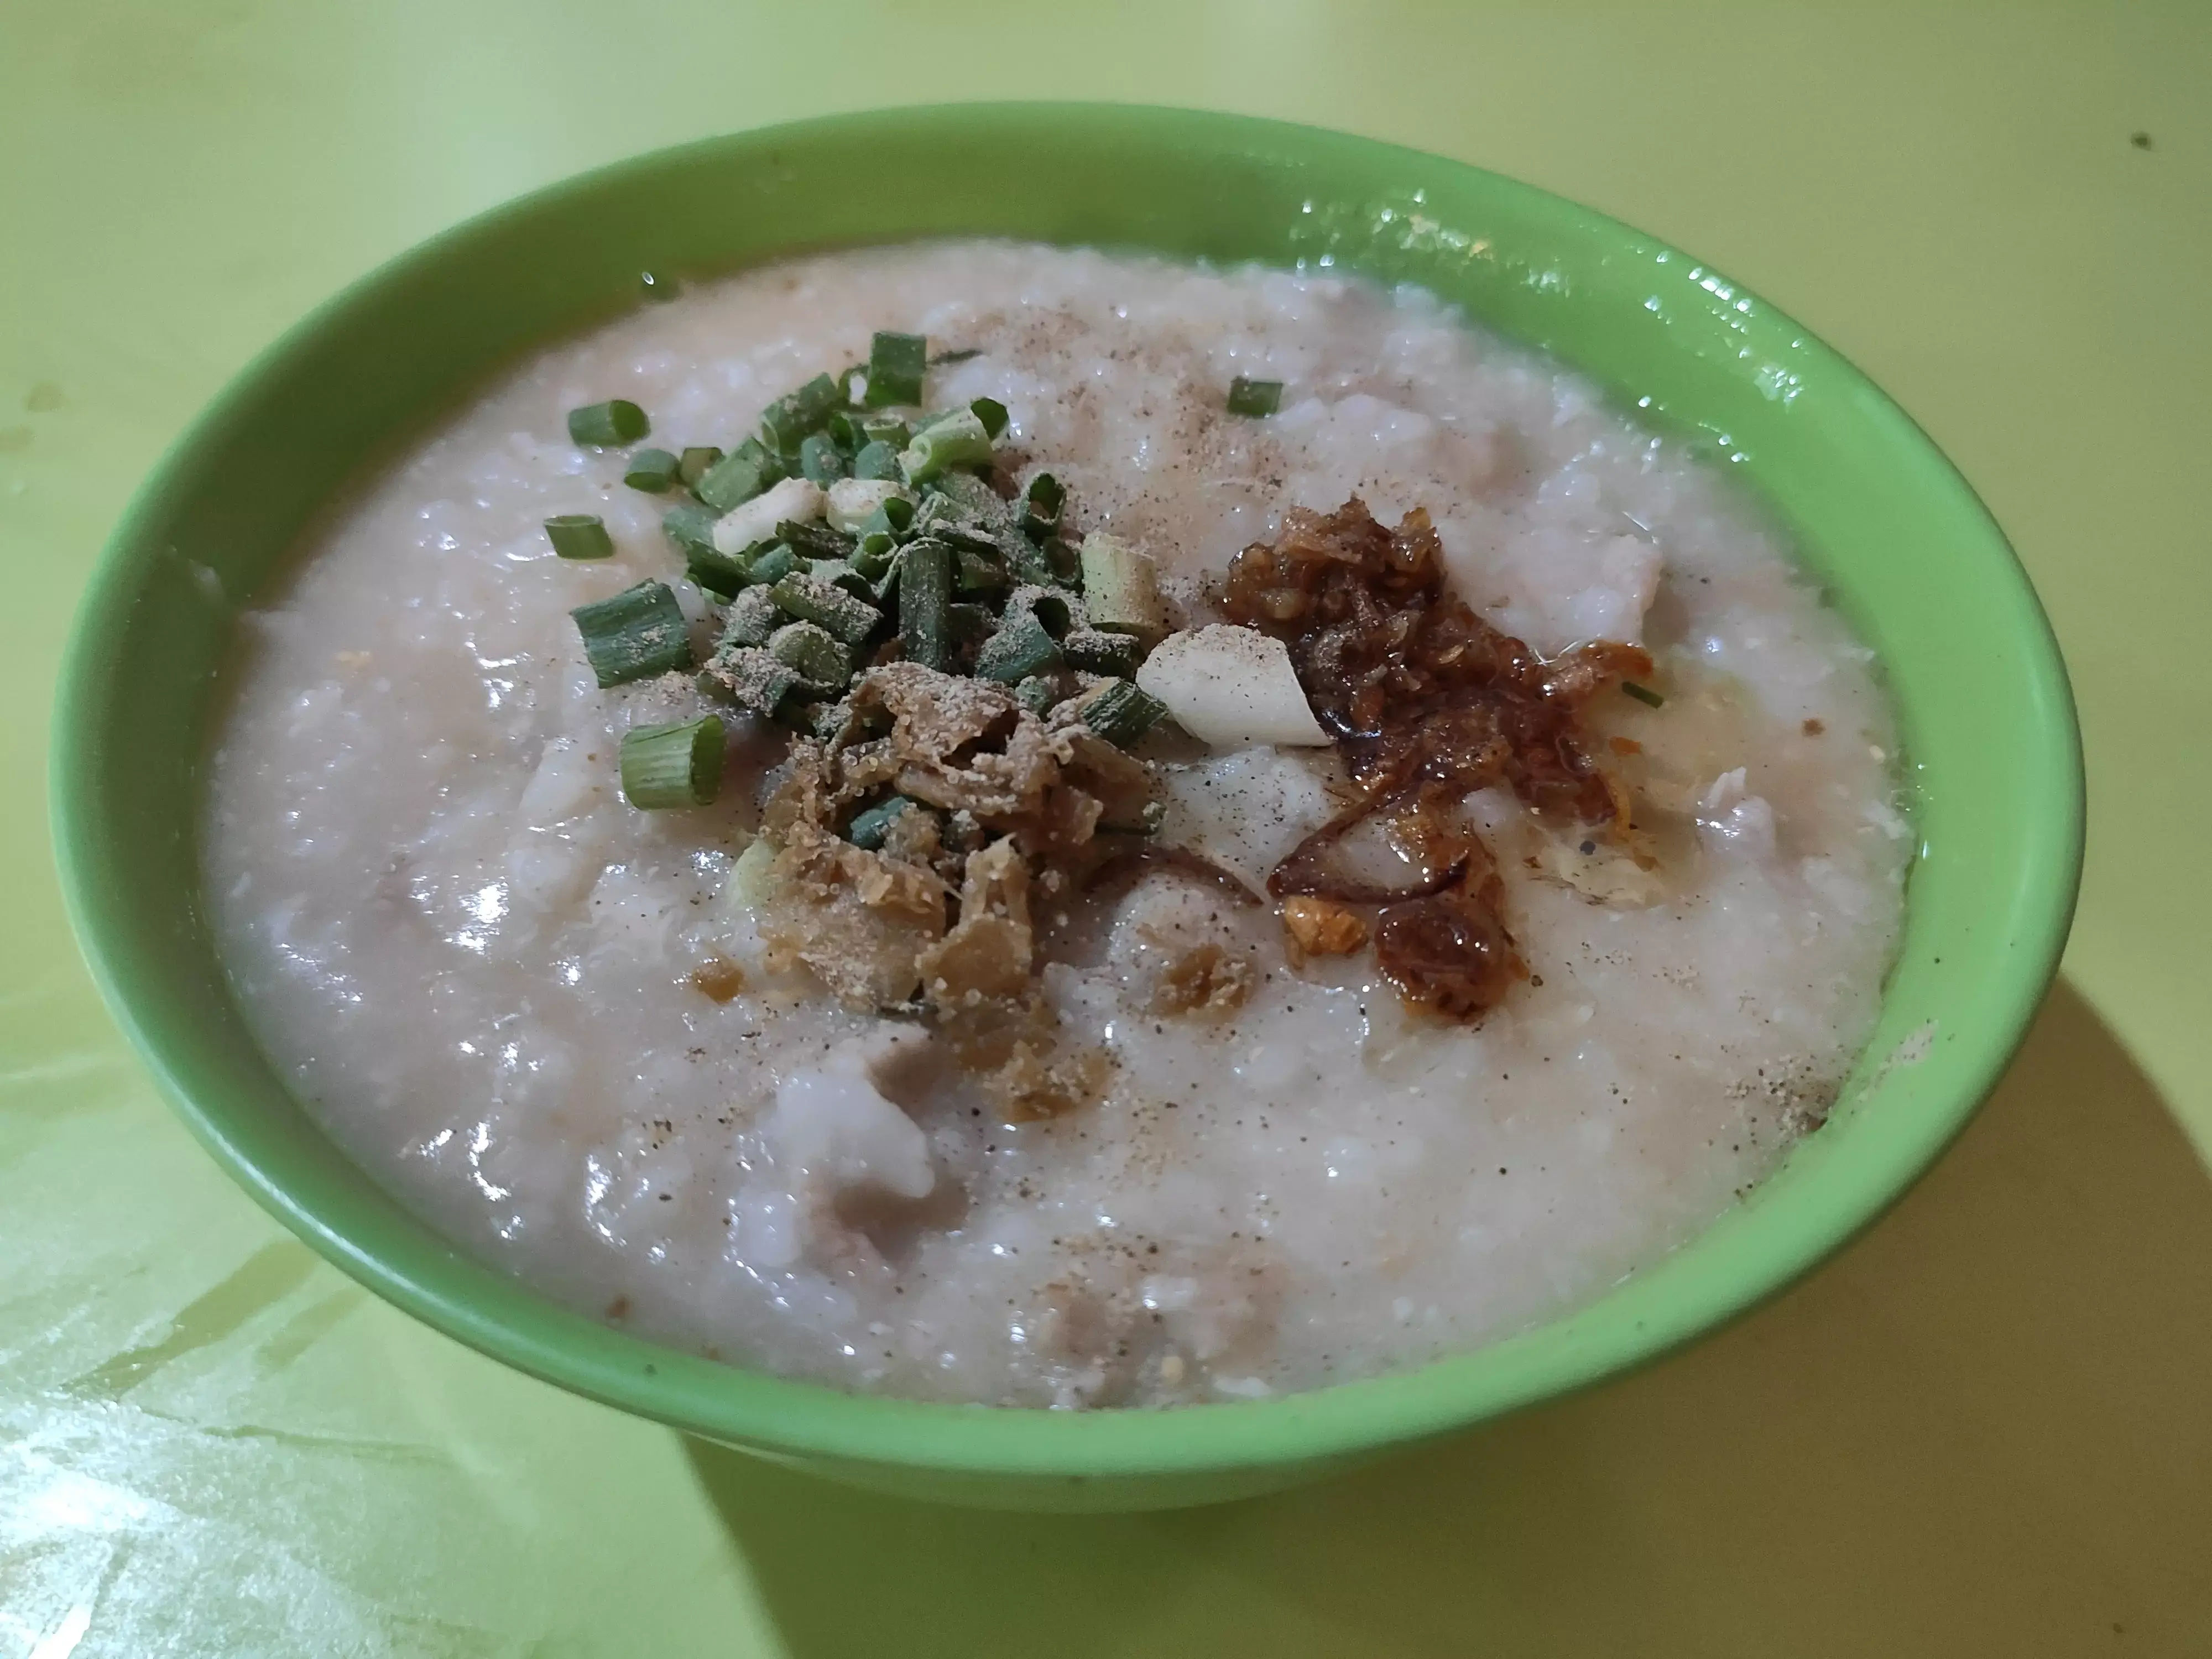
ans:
(971, 689)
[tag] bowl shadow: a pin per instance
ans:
(1979, 1430)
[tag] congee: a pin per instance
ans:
(997, 823)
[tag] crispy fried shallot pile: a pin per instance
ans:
(1427, 703)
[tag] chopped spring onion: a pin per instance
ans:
(925, 597)
(896, 362)
(877, 459)
(1121, 589)
(672, 766)
(1255, 398)
(638, 633)
(1121, 713)
(993, 414)
(820, 460)
(580, 535)
(786, 423)
(844, 430)
(1041, 505)
(696, 463)
(894, 516)
(652, 470)
(1096, 652)
(811, 538)
(960, 440)
(1643, 693)
(751, 679)
(1047, 604)
(713, 571)
(773, 563)
(872, 562)
(691, 528)
(885, 428)
(738, 477)
(868, 829)
(1020, 649)
(811, 598)
(943, 358)
(1038, 693)
(824, 666)
(853, 504)
(618, 420)
(980, 572)
(752, 619)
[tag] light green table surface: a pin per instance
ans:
(1983, 1430)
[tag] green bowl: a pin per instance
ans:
(1889, 526)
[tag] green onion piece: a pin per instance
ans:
(653, 286)
(1123, 712)
(868, 829)
(1020, 649)
(843, 573)
(618, 420)
(824, 666)
(886, 586)
(993, 414)
(713, 571)
(638, 633)
(786, 423)
(1042, 504)
(691, 528)
(975, 497)
(1255, 397)
(811, 598)
(871, 557)
(877, 459)
(814, 539)
(752, 619)
(1096, 652)
(696, 463)
(1063, 560)
(924, 574)
(820, 461)
(751, 679)
(1121, 589)
(1049, 605)
(896, 362)
(1643, 693)
(774, 564)
(738, 477)
(885, 428)
(672, 766)
(959, 356)
(580, 535)
(961, 441)
(844, 430)
(652, 470)
(893, 518)
(1038, 693)
(981, 573)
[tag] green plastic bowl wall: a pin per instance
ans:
(1882, 518)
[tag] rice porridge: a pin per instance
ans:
(1459, 867)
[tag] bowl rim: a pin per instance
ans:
(488, 1311)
